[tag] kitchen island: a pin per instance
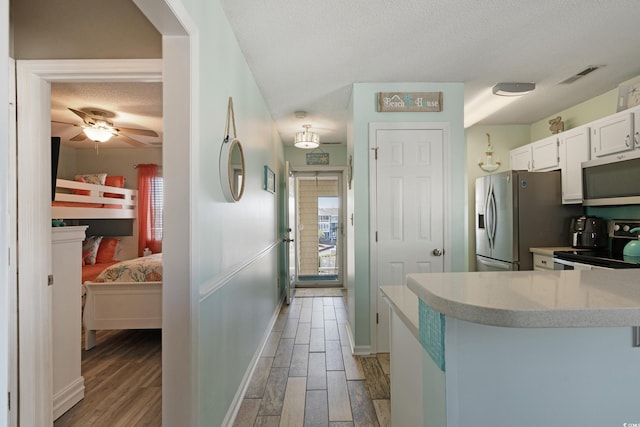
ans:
(527, 348)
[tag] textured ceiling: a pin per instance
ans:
(130, 105)
(306, 54)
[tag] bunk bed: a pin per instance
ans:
(82, 200)
(111, 301)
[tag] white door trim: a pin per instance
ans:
(34, 213)
(373, 251)
(180, 107)
(342, 171)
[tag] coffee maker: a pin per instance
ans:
(588, 232)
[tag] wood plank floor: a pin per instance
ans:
(306, 375)
(123, 381)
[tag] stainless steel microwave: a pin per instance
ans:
(612, 181)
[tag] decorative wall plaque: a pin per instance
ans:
(317, 158)
(409, 101)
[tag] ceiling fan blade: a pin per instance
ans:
(81, 114)
(132, 131)
(79, 137)
(65, 123)
(131, 141)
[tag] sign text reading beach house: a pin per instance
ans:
(409, 101)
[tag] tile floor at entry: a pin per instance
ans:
(306, 375)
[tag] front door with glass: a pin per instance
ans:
(319, 227)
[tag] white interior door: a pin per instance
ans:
(409, 211)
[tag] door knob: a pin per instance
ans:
(437, 252)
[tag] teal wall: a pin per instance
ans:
(364, 112)
(298, 156)
(236, 244)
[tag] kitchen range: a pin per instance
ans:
(619, 251)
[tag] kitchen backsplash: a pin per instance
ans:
(614, 212)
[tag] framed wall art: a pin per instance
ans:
(269, 180)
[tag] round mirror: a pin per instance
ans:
(232, 170)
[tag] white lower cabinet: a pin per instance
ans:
(574, 149)
(542, 262)
(406, 375)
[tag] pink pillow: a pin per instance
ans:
(81, 192)
(114, 181)
(107, 249)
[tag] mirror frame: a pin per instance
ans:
(227, 175)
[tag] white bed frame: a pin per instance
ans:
(121, 305)
(127, 206)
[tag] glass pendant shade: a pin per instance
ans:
(306, 139)
(98, 134)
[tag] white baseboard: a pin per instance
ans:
(232, 413)
(360, 350)
(67, 397)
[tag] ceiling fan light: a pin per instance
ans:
(513, 89)
(306, 139)
(98, 134)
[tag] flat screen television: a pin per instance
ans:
(55, 155)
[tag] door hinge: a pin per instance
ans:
(377, 318)
(376, 236)
(375, 150)
(9, 400)
(50, 280)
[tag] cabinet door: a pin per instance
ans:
(574, 149)
(544, 154)
(520, 158)
(612, 135)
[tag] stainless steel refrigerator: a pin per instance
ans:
(517, 210)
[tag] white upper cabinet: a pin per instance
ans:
(612, 135)
(544, 154)
(574, 149)
(520, 158)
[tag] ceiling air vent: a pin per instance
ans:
(582, 73)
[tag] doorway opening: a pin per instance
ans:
(319, 228)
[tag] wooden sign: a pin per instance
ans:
(409, 101)
(317, 158)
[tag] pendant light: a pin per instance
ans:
(306, 139)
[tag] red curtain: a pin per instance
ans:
(148, 236)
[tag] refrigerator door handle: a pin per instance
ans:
(494, 217)
(488, 212)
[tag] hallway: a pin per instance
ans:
(306, 375)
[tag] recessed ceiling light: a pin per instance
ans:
(513, 89)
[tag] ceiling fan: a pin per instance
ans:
(98, 127)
